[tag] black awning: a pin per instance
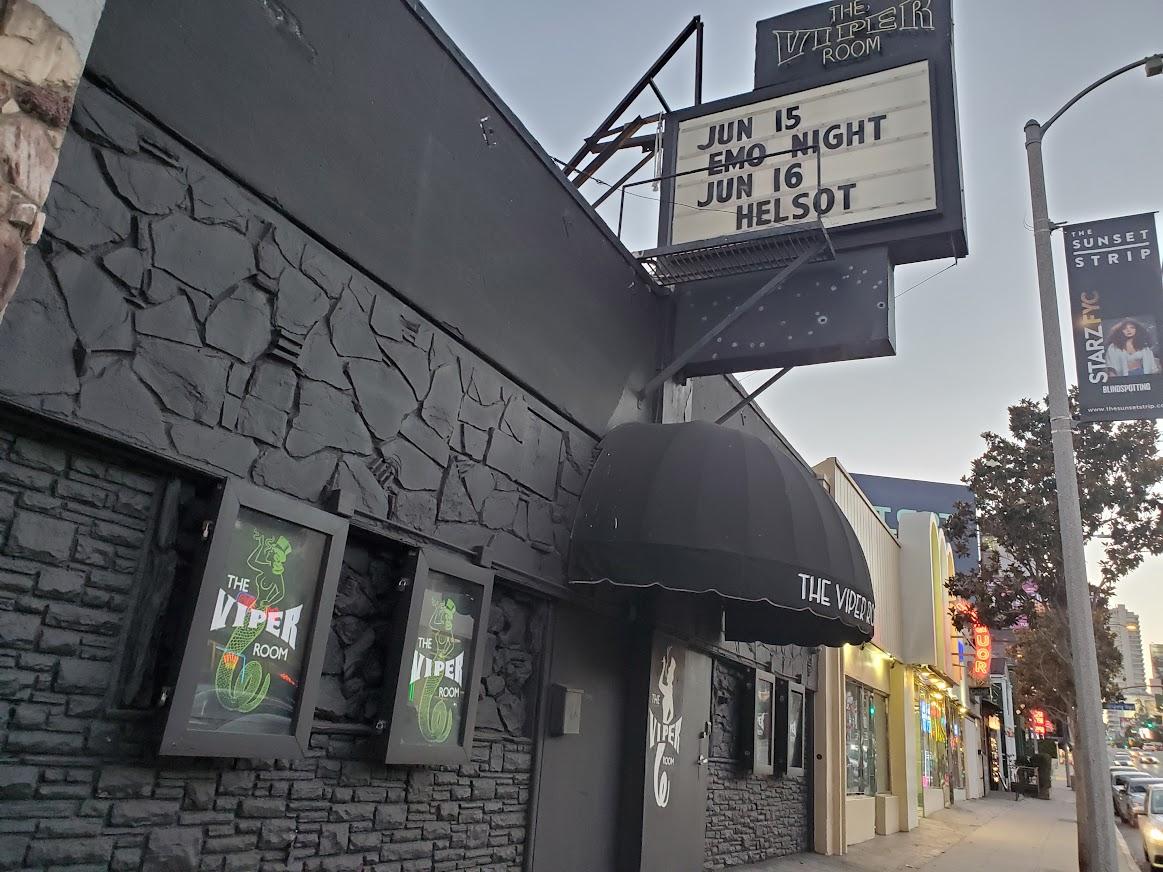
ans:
(700, 508)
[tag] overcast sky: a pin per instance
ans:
(969, 341)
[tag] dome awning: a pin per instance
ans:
(700, 508)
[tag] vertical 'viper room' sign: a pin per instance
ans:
(441, 659)
(250, 669)
(253, 667)
(439, 630)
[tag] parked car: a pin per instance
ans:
(1119, 783)
(1148, 759)
(1151, 827)
(1131, 800)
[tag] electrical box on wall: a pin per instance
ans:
(565, 708)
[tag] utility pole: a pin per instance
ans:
(1098, 831)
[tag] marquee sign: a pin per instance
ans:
(850, 44)
(757, 162)
(852, 124)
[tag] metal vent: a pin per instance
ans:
(287, 347)
(734, 255)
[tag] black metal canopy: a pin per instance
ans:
(701, 508)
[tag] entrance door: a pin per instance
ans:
(674, 813)
(577, 815)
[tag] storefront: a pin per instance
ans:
(898, 712)
(308, 552)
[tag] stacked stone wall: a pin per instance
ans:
(81, 786)
(750, 818)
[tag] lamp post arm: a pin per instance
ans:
(1093, 85)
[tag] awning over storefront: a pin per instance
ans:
(700, 508)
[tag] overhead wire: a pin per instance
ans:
(956, 261)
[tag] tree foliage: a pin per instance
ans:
(1042, 675)
(1020, 580)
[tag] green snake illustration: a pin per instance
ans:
(244, 691)
(435, 714)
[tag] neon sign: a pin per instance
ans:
(1039, 723)
(982, 645)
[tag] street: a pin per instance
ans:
(1130, 835)
(1129, 832)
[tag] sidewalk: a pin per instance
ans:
(996, 833)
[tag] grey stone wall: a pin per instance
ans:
(750, 818)
(80, 785)
(167, 308)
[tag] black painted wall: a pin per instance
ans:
(362, 120)
(167, 308)
(82, 545)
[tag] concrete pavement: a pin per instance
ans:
(996, 833)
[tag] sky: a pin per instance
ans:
(969, 340)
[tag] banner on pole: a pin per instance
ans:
(1116, 298)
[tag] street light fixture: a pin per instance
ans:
(1098, 827)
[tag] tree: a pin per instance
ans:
(1019, 582)
(1120, 478)
(1042, 675)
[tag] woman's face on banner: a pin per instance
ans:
(1129, 330)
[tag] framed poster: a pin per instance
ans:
(763, 724)
(250, 672)
(437, 656)
(791, 727)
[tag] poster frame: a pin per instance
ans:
(785, 745)
(405, 624)
(178, 739)
(761, 765)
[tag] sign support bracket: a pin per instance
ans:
(808, 253)
(747, 400)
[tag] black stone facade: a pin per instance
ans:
(168, 308)
(192, 331)
(80, 784)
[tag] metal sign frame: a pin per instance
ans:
(893, 231)
(179, 739)
(405, 623)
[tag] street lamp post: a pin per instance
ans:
(1098, 825)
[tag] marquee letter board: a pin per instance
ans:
(250, 673)
(437, 657)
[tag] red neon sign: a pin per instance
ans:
(1039, 723)
(982, 645)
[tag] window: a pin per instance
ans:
(791, 727)
(763, 727)
(866, 740)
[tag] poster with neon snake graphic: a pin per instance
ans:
(440, 661)
(259, 630)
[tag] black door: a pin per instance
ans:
(577, 817)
